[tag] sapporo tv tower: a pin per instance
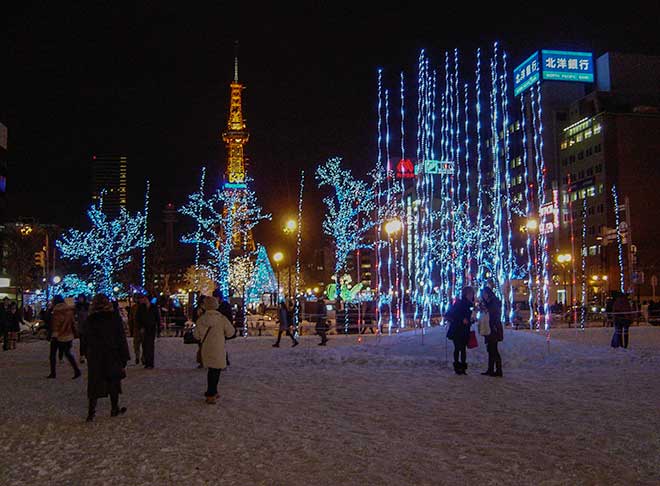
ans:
(235, 138)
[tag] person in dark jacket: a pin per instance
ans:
(459, 316)
(14, 321)
(4, 324)
(81, 312)
(320, 318)
(622, 317)
(492, 304)
(107, 355)
(148, 322)
(285, 325)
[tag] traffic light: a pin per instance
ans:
(40, 259)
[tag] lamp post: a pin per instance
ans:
(278, 256)
(392, 228)
(563, 259)
(290, 228)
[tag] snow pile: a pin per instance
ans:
(385, 411)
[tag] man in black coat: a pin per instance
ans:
(148, 322)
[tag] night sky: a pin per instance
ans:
(152, 82)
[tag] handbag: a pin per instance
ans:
(484, 323)
(472, 341)
(199, 349)
(189, 337)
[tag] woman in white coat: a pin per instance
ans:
(212, 328)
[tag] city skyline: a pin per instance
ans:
(155, 85)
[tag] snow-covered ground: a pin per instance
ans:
(387, 411)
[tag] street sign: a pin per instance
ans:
(442, 167)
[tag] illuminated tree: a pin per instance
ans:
(107, 247)
(350, 210)
(199, 279)
(222, 219)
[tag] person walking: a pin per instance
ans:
(212, 329)
(133, 329)
(459, 316)
(320, 318)
(622, 314)
(492, 304)
(14, 322)
(107, 355)
(4, 323)
(81, 312)
(62, 322)
(148, 321)
(285, 326)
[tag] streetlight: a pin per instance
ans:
(564, 259)
(57, 279)
(393, 227)
(290, 228)
(278, 257)
(532, 224)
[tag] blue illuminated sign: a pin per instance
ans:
(568, 66)
(526, 74)
(553, 66)
(235, 185)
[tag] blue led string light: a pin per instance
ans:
(404, 221)
(583, 253)
(143, 270)
(377, 240)
(528, 211)
(619, 239)
(388, 203)
(541, 170)
(296, 317)
(507, 174)
(480, 185)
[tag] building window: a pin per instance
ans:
(581, 155)
(593, 250)
(578, 138)
(590, 171)
(601, 188)
(564, 145)
(587, 133)
(581, 174)
(589, 151)
(590, 211)
(597, 148)
(598, 169)
(571, 159)
(597, 128)
(591, 191)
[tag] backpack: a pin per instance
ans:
(484, 323)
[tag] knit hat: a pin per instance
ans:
(210, 303)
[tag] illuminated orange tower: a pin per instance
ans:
(236, 135)
(235, 138)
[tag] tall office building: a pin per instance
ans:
(610, 149)
(109, 182)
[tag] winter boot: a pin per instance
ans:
(464, 367)
(117, 411)
(457, 368)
